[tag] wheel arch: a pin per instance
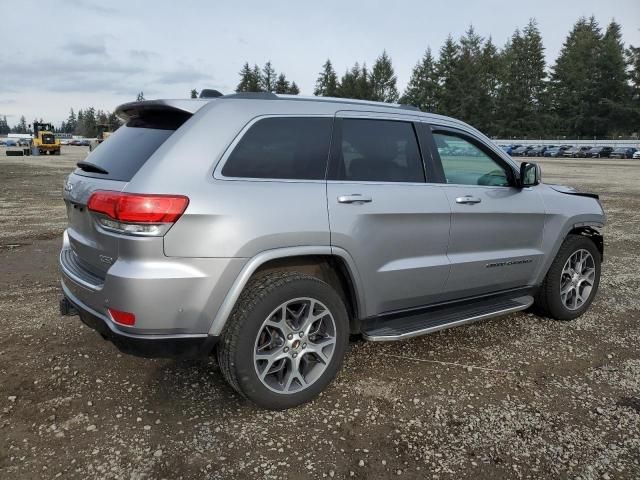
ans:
(592, 234)
(332, 265)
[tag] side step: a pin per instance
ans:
(436, 318)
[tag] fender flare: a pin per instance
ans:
(229, 302)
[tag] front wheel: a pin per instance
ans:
(285, 340)
(572, 280)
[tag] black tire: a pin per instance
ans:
(261, 296)
(547, 301)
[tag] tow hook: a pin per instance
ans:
(66, 308)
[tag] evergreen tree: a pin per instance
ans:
(446, 69)
(194, 93)
(349, 82)
(364, 87)
(70, 124)
(268, 78)
(245, 78)
(489, 70)
(422, 90)
(140, 97)
(255, 81)
(21, 127)
(469, 85)
(282, 84)
(574, 81)
(521, 102)
(383, 80)
(614, 110)
(4, 126)
(293, 89)
(633, 60)
(327, 82)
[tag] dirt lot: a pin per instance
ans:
(514, 397)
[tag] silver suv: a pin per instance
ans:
(269, 228)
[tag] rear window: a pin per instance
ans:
(126, 150)
(289, 148)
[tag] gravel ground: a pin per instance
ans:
(514, 397)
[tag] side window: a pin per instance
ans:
(379, 150)
(282, 148)
(466, 164)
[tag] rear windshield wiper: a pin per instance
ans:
(90, 167)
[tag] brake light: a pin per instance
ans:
(123, 318)
(135, 213)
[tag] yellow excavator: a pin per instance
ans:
(104, 131)
(44, 141)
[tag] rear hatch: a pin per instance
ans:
(110, 167)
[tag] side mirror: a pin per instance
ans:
(530, 174)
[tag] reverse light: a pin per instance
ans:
(137, 214)
(123, 318)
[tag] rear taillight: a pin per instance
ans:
(137, 214)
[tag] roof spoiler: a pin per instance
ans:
(137, 109)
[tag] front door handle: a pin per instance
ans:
(354, 198)
(468, 200)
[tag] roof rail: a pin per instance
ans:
(253, 95)
(409, 107)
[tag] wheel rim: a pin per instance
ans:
(294, 345)
(577, 279)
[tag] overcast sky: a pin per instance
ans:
(80, 53)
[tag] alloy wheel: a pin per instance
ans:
(577, 279)
(294, 345)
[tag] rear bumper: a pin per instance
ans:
(148, 346)
(170, 297)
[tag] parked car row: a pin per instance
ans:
(569, 151)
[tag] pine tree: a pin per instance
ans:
(245, 78)
(383, 80)
(446, 69)
(255, 80)
(194, 93)
(422, 90)
(574, 83)
(633, 60)
(22, 125)
(140, 97)
(268, 78)
(282, 84)
(327, 82)
(4, 126)
(71, 123)
(614, 110)
(293, 89)
(521, 103)
(489, 69)
(364, 87)
(469, 85)
(349, 82)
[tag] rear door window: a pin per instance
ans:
(379, 151)
(289, 148)
(126, 150)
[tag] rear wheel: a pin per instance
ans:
(285, 340)
(572, 281)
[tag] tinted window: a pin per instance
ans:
(286, 148)
(126, 150)
(466, 164)
(379, 150)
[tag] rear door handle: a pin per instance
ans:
(354, 198)
(468, 200)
